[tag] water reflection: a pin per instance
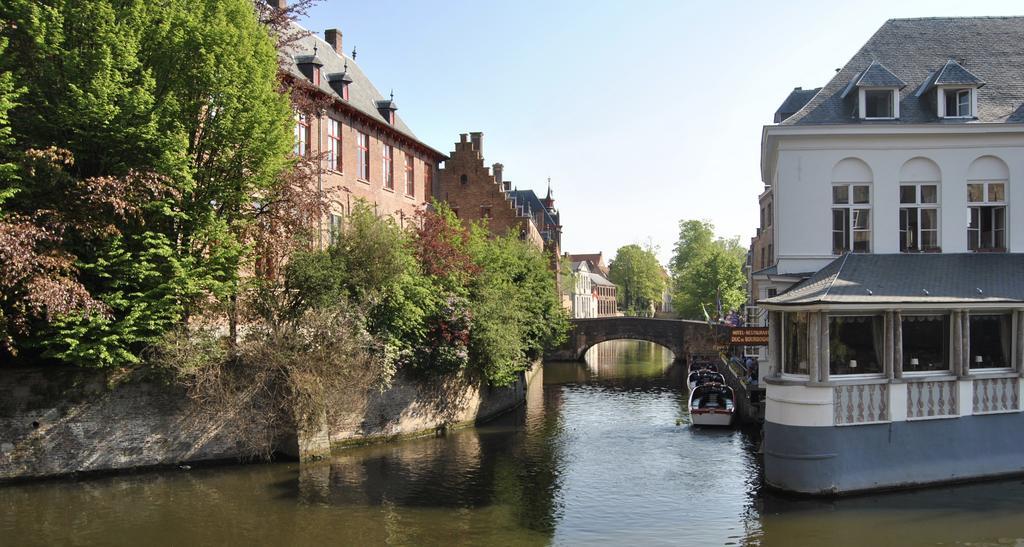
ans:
(601, 454)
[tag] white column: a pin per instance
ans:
(823, 355)
(813, 345)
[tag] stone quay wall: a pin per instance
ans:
(59, 421)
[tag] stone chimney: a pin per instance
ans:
(477, 138)
(333, 37)
(498, 172)
(279, 4)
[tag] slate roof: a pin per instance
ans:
(915, 50)
(876, 75)
(953, 73)
(598, 279)
(595, 259)
(529, 197)
(794, 102)
(577, 264)
(912, 279)
(363, 96)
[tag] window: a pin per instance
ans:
(485, 211)
(410, 175)
(336, 228)
(991, 336)
(986, 203)
(771, 253)
(762, 218)
(919, 217)
(855, 344)
(957, 103)
(428, 174)
(768, 216)
(334, 144)
(878, 103)
(796, 361)
(388, 166)
(925, 343)
(851, 218)
(363, 146)
(316, 75)
(344, 91)
(301, 135)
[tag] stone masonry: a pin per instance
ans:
(62, 420)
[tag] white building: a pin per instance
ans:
(584, 302)
(897, 334)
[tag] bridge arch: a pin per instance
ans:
(678, 336)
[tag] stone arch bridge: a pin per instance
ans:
(679, 336)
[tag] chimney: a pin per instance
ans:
(278, 4)
(333, 38)
(477, 138)
(497, 172)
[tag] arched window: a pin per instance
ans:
(987, 184)
(920, 180)
(851, 207)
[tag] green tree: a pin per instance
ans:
(173, 111)
(639, 278)
(516, 309)
(706, 271)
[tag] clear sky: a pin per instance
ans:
(642, 113)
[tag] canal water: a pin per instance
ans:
(602, 454)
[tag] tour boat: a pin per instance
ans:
(703, 376)
(712, 404)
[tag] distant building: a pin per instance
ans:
(664, 307)
(605, 292)
(476, 192)
(584, 301)
(594, 260)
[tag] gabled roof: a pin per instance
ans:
(914, 50)
(912, 279)
(794, 102)
(953, 73)
(363, 96)
(596, 261)
(875, 75)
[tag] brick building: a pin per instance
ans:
(368, 152)
(476, 192)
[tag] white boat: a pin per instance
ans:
(712, 404)
(703, 376)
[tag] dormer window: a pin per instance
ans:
(878, 104)
(956, 91)
(387, 108)
(878, 93)
(340, 82)
(957, 103)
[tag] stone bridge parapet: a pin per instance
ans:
(679, 336)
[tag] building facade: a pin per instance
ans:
(367, 152)
(605, 292)
(584, 300)
(897, 335)
(478, 193)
